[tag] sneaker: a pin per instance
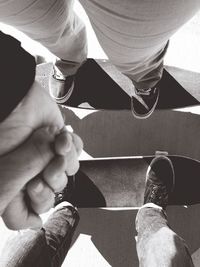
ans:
(160, 181)
(61, 87)
(67, 193)
(145, 103)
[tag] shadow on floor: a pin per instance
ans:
(118, 133)
(95, 86)
(113, 232)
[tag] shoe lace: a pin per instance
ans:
(145, 92)
(159, 195)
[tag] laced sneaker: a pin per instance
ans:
(144, 104)
(160, 181)
(60, 86)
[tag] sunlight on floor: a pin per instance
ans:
(89, 255)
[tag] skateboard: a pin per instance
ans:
(119, 134)
(99, 84)
(120, 182)
(114, 132)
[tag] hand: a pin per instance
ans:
(21, 154)
(28, 196)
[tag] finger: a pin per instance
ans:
(63, 143)
(17, 216)
(70, 155)
(64, 140)
(72, 162)
(41, 196)
(68, 163)
(54, 174)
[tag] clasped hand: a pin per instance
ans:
(36, 155)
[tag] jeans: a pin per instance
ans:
(44, 247)
(157, 245)
(133, 33)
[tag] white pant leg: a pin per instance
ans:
(53, 23)
(134, 33)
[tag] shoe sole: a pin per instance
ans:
(62, 100)
(147, 115)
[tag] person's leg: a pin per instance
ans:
(157, 244)
(44, 247)
(135, 34)
(52, 23)
(55, 25)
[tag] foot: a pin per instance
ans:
(64, 211)
(160, 181)
(144, 105)
(61, 87)
(67, 193)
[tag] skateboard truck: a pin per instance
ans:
(161, 153)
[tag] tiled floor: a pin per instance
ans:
(184, 52)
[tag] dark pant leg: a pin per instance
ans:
(44, 247)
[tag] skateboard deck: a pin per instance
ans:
(99, 84)
(120, 182)
(118, 133)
